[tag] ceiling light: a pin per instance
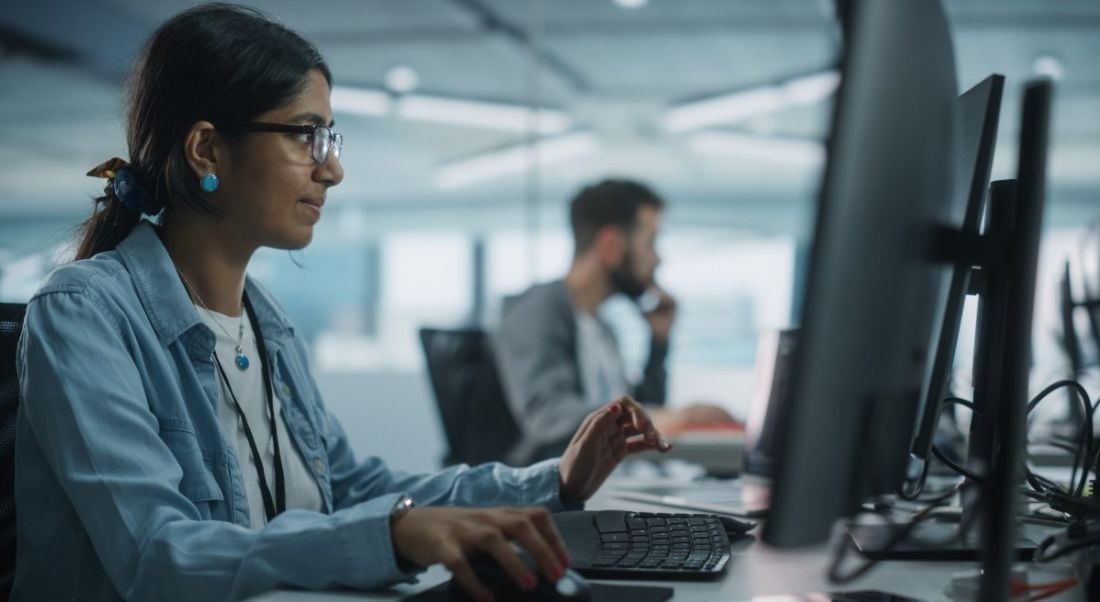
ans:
(811, 89)
(402, 79)
(455, 111)
(475, 113)
(360, 101)
(740, 105)
(789, 151)
(1048, 66)
(514, 159)
(631, 3)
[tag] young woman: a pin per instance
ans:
(172, 444)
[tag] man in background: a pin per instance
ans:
(558, 359)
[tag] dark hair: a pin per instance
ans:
(608, 203)
(214, 62)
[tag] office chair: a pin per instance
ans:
(470, 398)
(11, 323)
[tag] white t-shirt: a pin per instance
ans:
(601, 364)
(302, 490)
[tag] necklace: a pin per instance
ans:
(241, 360)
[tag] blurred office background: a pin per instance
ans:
(470, 123)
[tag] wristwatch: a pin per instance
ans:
(401, 508)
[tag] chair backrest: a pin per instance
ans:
(11, 324)
(476, 418)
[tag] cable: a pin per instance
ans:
(966, 403)
(1043, 488)
(900, 534)
(1086, 448)
(1040, 483)
(1043, 553)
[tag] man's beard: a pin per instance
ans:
(624, 280)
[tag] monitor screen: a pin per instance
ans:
(871, 291)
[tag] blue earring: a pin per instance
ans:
(209, 182)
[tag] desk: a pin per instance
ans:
(755, 570)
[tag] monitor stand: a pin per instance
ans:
(932, 539)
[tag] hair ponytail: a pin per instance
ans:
(108, 225)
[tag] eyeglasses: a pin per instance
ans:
(321, 139)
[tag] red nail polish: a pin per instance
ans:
(529, 582)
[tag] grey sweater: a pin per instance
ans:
(536, 350)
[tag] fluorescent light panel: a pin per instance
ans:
(490, 115)
(361, 101)
(740, 105)
(455, 111)
(789, 151)
(514, 159)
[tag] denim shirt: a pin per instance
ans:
(125, 486)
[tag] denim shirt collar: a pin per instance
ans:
(166, 301)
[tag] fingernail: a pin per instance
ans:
(615, 408)
(529, 582)
(565, 560)
(559, 572)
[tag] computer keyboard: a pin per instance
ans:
(617, 544)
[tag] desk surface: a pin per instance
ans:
(755, 570)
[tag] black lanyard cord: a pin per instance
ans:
(271, 508)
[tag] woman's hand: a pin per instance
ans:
(605, 437)
(426, 536)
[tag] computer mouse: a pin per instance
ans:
(734, 526)
(571, 587)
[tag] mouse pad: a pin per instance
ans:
(600, 593)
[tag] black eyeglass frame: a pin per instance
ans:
(319, 153)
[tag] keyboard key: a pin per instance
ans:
(611, 521)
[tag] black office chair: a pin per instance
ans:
(476, 418)
(11, 324)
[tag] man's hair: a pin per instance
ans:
(608, 203)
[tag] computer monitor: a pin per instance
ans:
(979, 112)
(871, 291)
(846, 400)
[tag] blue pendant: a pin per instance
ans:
(242, 362)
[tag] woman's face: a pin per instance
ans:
(272, 191)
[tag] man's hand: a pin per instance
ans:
(606, 436)
(694, 415)
(661, 317)
(426, 536)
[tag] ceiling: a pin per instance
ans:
(612, 71)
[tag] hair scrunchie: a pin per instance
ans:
(122, 183)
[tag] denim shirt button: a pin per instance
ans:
(285, 390)
(318, 466)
